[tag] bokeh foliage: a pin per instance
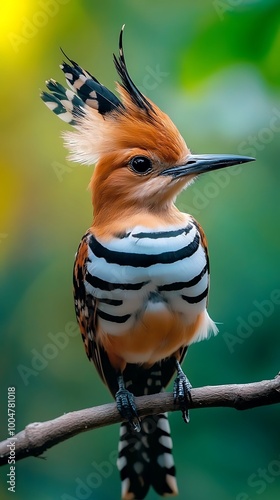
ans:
(213, 66)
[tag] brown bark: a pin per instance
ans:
(39, 436)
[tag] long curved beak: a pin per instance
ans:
(198, 164)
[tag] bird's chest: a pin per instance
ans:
(144, 272)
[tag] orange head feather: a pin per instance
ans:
(135, 129)
(142, 161)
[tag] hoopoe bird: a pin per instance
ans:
(141, 274)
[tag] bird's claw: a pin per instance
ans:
(127, 407)
(182, 393)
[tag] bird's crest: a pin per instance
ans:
(136, 96)
(104, 122)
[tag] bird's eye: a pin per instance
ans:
(141, 164)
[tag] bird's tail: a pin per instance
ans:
(145, 459)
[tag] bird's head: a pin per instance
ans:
(141, 160)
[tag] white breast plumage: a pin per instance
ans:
(143, 269)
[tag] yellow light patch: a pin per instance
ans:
(12, 14)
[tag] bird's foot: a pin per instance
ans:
(126, 405)
(182, 392)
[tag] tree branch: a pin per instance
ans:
(39, 436)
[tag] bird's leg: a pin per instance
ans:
(182, 392)
(126, 405)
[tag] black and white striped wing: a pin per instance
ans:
(86, 312)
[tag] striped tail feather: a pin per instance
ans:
(145, 459)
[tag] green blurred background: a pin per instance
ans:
(213, 66)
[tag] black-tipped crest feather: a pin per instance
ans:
(137, 97)
(78, 68)
(88, 88)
